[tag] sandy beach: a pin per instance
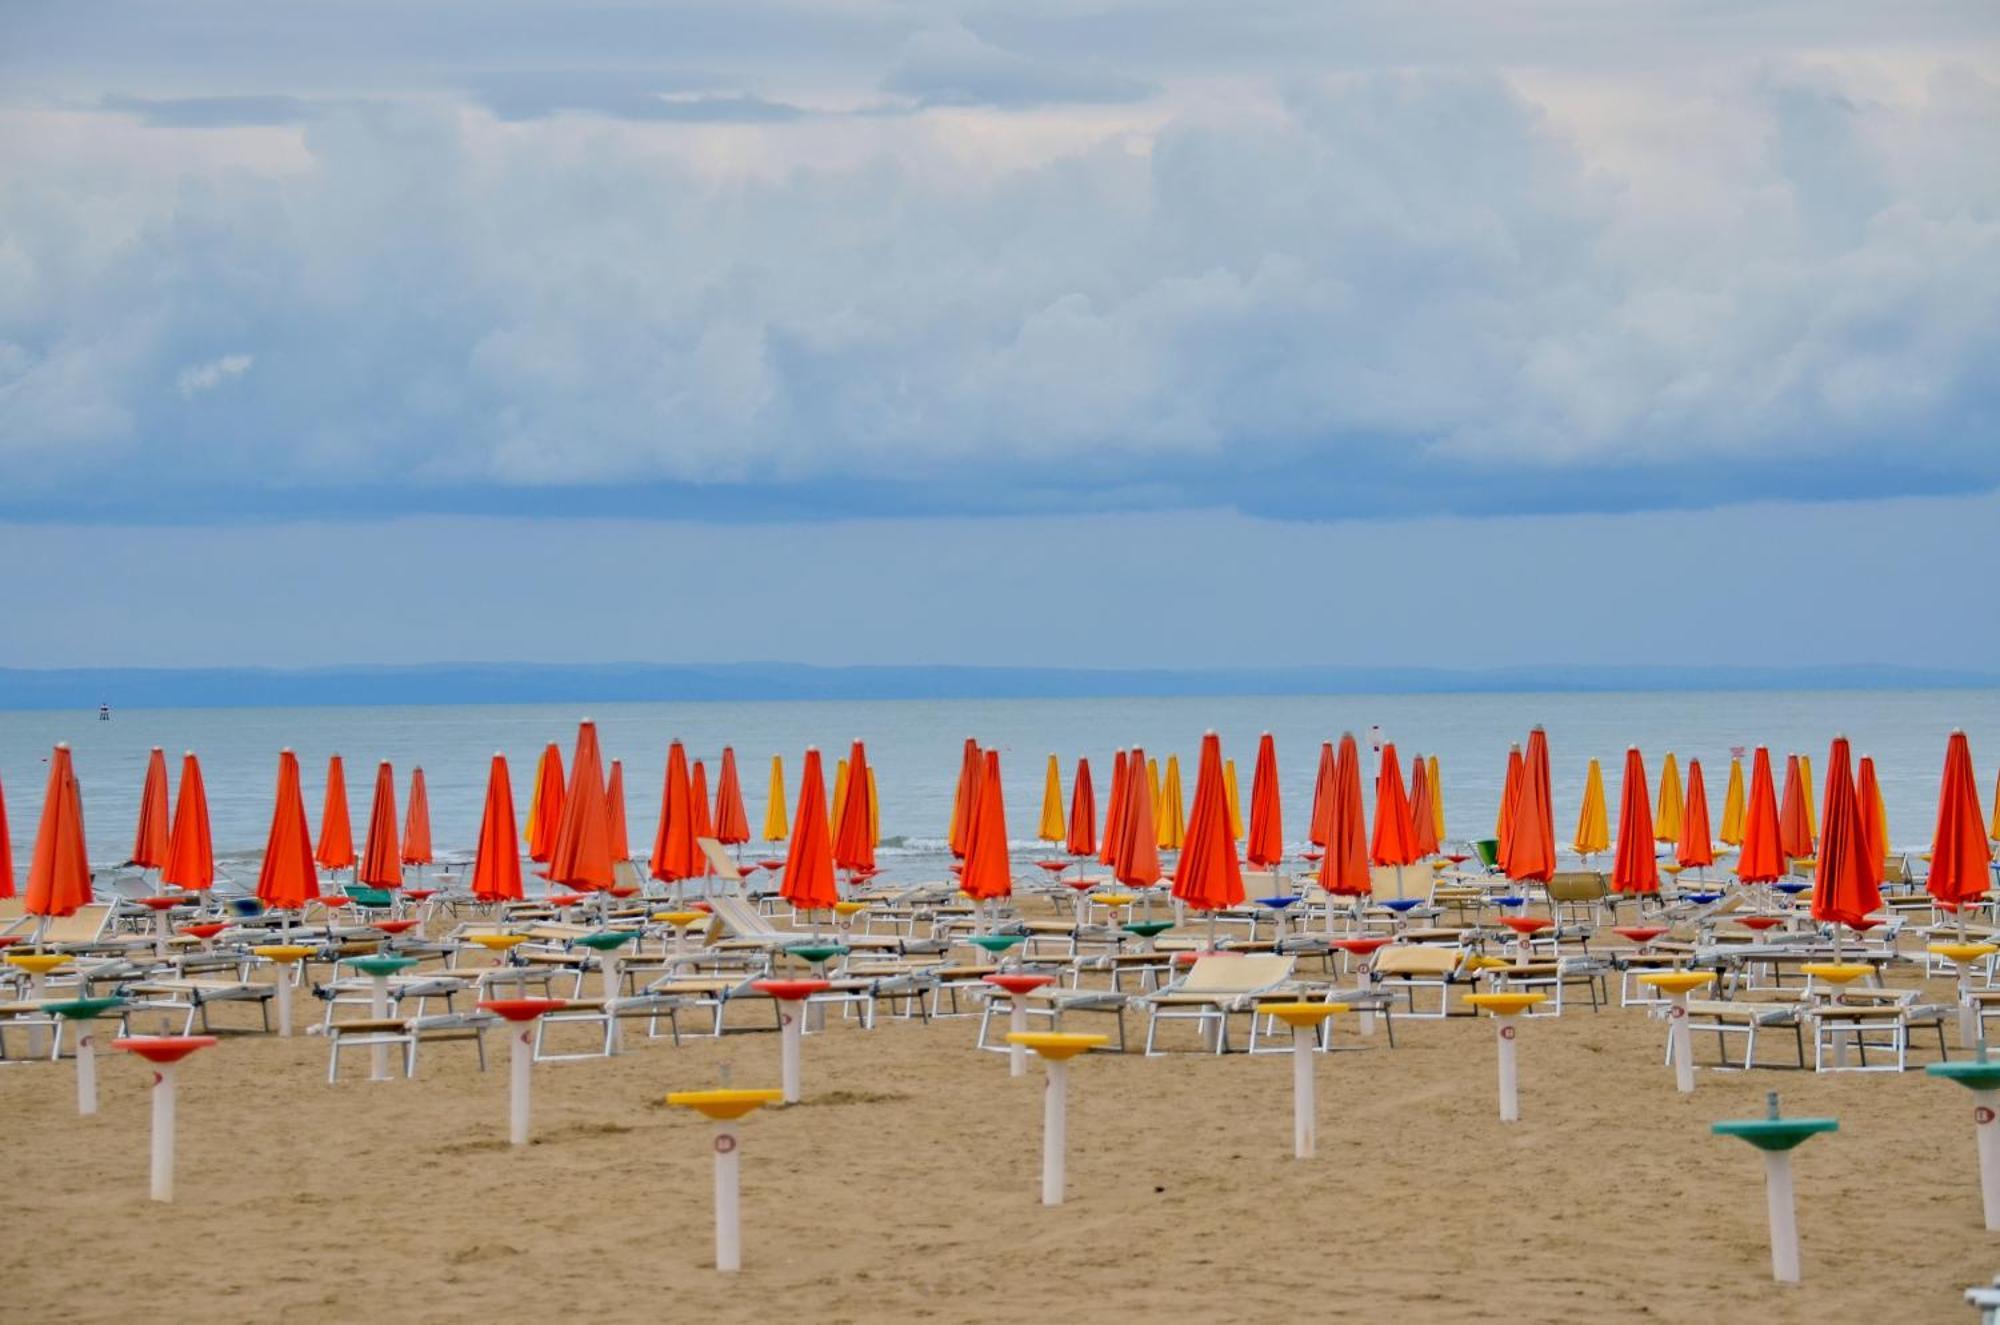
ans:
(905, 1187)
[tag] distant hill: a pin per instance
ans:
(521, 683)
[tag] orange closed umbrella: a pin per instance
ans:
(1961, 857)
(808, 882)
(1114, 813)
(496, 865)
(1531, 843)
(1208, 876)
(1874, 815)
(1423, 824)
(1138, 856)
(674, 855)
(59, 873)
(1082, 813)
(545, 805)
(1510, 791)
(614, 799)
(190, 847)
(6, 850)
(1795, 833)
(962, 799)
(698, 805)
(732, 821)
(1322, 816)
(1634, 869)
(287, 880)
(1761, 858)
(1696, 849)
(1393, 841)
(149, 840)
(1266, 845)
(581, 855)
(336, 830)
(381, 861)
(417, 822)
(854, 844)
(988, 873)
(1343, 871)
(1843, 892)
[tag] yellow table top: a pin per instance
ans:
(1302, 1014)
(1838, 973)
(37, 963)
(680, 919)
(1676, 982)
(283, 953)
(497, 942)
(1963, 952)
(724, 1104)
(1057, 1044)
(1505, 1005)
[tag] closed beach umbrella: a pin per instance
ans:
(969, 765)
(1843, 891)
(1114, 813)
(581, 856)
(1531, 846)
(545, 809)
(381, 859)
(496, 864)
(1235, 798)
(149, 840)
(190, 846)
(838, 805)
(1322, 795)
(1593, 828)
(1082, 812)
(1667, 818)
(417, 822)
(1634, 869)
(1423, 827)
(336, 829)
(1138, 857)
(287, 880)
(1392, 842)
(988, 874)
(1153, 779)
(702, 826)
(6, 850)
(1172, 811)
(1961, 857)
(1052, 828)
(1266, 846)
(1811, 802)
(874, 810)
(614, 800)
(854, 845)
(1209, 877)
(1795, 833)
(1510, 792)
(1732, 805)
(1762, 859)
(775, 827)
(674, 854)
(1343, 871)
(808, 882)
(1874, 814)
(1696, 849)
(59, 873)
(1437, 797)
(1994, 831)
(732, 821)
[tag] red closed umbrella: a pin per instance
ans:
(1082, 813)
(698, 805)
(732, 821)
(988, 871)
(1634, 869)
(1208, 876)
(1390, 843)
(6, 850)
(1531, 843)
(1843, 892)
(674, 854)
(1114, 814)
(1761, 857)
(381, 860)
(1423, 819)
(1138, 855)
(545, 807)
(190, 846)
(59, 873)
(1510, 791)
(1961, 857)
(614, 801)
(808, 882)
(1795, 833)
(965, 799)
(1869, 794)
(1265, 846)
(496, 864)
(149, 839)
(336, 830)
(1322, 815)
(1696, 849)
(1343, 871)
(417, 822)
(287, 880)
(581, 856)
(854, 844)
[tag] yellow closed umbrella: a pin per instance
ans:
(774, 807)
(1153, 777)
(1172, 818)
(1880, 810)
(535, 799)
(1437, 798)
(1805, 785)
(1593, 827)
(1732, 805)
(874, 810)
(839, 798)
(1667, 816)
(1236, 801)
(1052, 829)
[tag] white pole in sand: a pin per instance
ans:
(1678, 985)
(1986, 1127)
(86, 1071)
(1777, 1136)
(1505, 1008)
(1056, 1049)
(1305, 1020)
(520, 1014)
(163, 1132)
(725, 1106)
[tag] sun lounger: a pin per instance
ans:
(1864, 1019)
(1406, 968)
(1213, 988)
(733, 920)
(406, 1032)
(1745, 1017)
(194, 997)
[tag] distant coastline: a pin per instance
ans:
(528, 683)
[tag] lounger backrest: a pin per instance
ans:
(1237, 975)
(86, 925)
(1577, 886)
(625, 874)
(1417, 959)
(1419, 880)
(719, 862)
(740, 918)
(1261, 883)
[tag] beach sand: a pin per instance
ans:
(906, 1188)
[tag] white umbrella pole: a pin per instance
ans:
(163, 1132)
(728, 1206)
(1303, 1107)
(1510, 1100)
(1784, 1216)
(37, 988)
(1017, 1024)
(86, 1072)
(1968, 1015)
(1680, 1042)
(1055, 1129)
(378, 1008)
(160, 934)
(521, 1061)
(609, 961)
(1986, 1125)
(791, 1019)
(285, 1002)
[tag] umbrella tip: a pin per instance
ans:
(284, 749)
(62, 745)
(188, 753)
(498, 754)
(156, 749)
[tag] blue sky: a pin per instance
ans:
(1248, 287)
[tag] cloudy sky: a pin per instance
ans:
(861, 330)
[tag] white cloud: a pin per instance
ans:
(198, 378)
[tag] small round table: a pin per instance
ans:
(1504, 1008)
(522, 1013)
(1056, 1048)
(725, 1107)
(83, 1012)
(792, 998)
(164, 1052)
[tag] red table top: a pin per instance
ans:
(1526, 924)
(1018, 982)
(164, 1048)
(523, 1009)
(1363, 946)
(394, 926)
(1640, 933)
(791, 991)
(208, 929)
(163, 903)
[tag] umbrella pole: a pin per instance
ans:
(163, 1132)
(1211, 931)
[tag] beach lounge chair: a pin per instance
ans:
(1214, 987)
(1864, 1019)
(1745, 1017)
(194, 997)
(735, 922)
(407, 1033)
(1405, 969)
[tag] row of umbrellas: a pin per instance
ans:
(1680, 818)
